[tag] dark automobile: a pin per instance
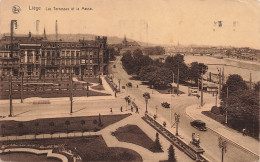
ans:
(129, 84)
(198, 124)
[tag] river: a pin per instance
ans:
(230, 66)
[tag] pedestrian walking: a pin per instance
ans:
(131, 108)
(136, 86)
(111, 110)
(136, 110)
(244, 131)
(121, 109)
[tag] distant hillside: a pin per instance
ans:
(76, 37)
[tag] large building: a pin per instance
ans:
(37, 57)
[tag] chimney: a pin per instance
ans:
(56, 29)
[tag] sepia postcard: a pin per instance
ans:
(129, 80)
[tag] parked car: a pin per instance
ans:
(198, 124)
(165, 104)
(193, 91)
(129, 84)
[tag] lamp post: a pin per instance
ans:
(223, 146)
(119, 85)
(227, 107)
(177, 120)
(146, 96)
(22, 88)
(219, 88)
(13, 25)
(178, 78)
(71, 89)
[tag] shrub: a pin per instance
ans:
(216, 110)
(95, 121)
(171, 154)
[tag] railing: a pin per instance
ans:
(186, 148)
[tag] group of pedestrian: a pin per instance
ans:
(121, 109)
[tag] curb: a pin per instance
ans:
(245, 149)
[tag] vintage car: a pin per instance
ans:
(129, 84)
(198, 124)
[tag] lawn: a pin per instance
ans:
(53, 125)
(90, 148)
(60, 89)
(133, 134)
(98, 87)
(219, 118)
(167, 91)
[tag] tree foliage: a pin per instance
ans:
(175, 62)
(158, 50)
(157, 144)
(242, 105)
(195, 71)
(171, 154)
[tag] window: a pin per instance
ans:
(43, 53)
(48, 54)
(53, 54)
(77, 53)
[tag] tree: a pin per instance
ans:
(51, 124)
(171, 154)
(128, 62)
(67, 123)
(20, 126)
(82, 122)
(146, 96)
(228, 53)
(146, 72)
(243, 109)
(234, 82)
(158, 50)
(99, 121)
(177, 62)
(195, 71)
(36, 124)
(3, 128)
(157, 144)
(159, 77)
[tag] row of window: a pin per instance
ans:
(7, 54)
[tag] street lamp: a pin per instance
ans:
(177, 120)
(146, 96)
(223, 146)
(119, 85)
(226, 107)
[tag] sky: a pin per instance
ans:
(200, 22)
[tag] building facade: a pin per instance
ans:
(38, 57)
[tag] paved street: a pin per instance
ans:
(209, 139)
(186, 106)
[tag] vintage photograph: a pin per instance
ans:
(129, 80)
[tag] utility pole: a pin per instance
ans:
(250, 81)
(223, 146)
(223, 77)
(201, 97)
(177, 120)
(119, 85)
(227, 107)
(219, 88)
(22, 88)
(178, 78)
(71, 89)
(13, 25)
(10, 96)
